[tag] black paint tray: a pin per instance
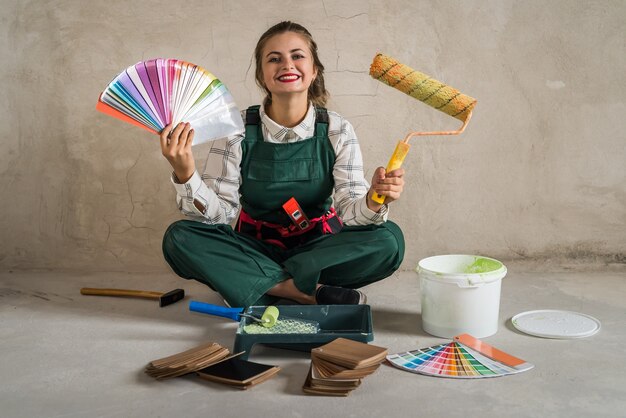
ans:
(348, 321)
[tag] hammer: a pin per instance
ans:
(163, 298)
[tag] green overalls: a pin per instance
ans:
(243, 268)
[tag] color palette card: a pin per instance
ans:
(464, 358)
(154, 93)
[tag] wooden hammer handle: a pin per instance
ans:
(120, 292)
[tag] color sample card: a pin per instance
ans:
(453, 360)
(154, 93)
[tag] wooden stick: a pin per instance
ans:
(121, 292)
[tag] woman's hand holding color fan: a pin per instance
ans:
(176, 148)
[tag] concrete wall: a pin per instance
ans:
(540, 171)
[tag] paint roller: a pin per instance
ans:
(270, 322)
(426, 89)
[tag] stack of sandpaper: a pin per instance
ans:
(238, 373)
(338, 367)
(186, 362)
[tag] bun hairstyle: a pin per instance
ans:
(317, 93)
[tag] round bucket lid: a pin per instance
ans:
(556, 324)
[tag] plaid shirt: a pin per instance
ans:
(213, 197)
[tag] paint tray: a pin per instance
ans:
(269, 322)
(348, 321)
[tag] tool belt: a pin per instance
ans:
(289, 236)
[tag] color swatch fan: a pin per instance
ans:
(464, 358)
(152, 94)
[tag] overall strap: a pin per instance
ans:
(253, 124)
(321, 115)
(321, 123)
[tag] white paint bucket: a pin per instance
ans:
(460, 294)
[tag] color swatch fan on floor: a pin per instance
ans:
(464, 358)
(154, 93)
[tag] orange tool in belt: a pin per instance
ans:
(295, 213)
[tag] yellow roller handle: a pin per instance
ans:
(395, 162)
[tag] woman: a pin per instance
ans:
(297, 249)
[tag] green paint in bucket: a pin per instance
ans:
(482, 265)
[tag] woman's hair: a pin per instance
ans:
(317, 93)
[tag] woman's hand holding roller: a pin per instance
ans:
(389, 185)
(176, 147)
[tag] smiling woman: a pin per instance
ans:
(288, 71)
(288, 40)
(281, 179)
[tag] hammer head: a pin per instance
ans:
(171, 297)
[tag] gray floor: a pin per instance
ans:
(67, 355)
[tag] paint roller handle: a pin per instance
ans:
(216, 310)
(395, 162)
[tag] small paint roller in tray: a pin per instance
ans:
(426, 89)
(270, 321)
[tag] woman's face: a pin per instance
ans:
(287, 64)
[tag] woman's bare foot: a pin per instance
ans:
(288, 290)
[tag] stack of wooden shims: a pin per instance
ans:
(186, 362)
(338, 367)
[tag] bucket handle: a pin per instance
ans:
(472, 283)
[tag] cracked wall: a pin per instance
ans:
(538, 173)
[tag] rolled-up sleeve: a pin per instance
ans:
(213, 196)
(351, 187)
